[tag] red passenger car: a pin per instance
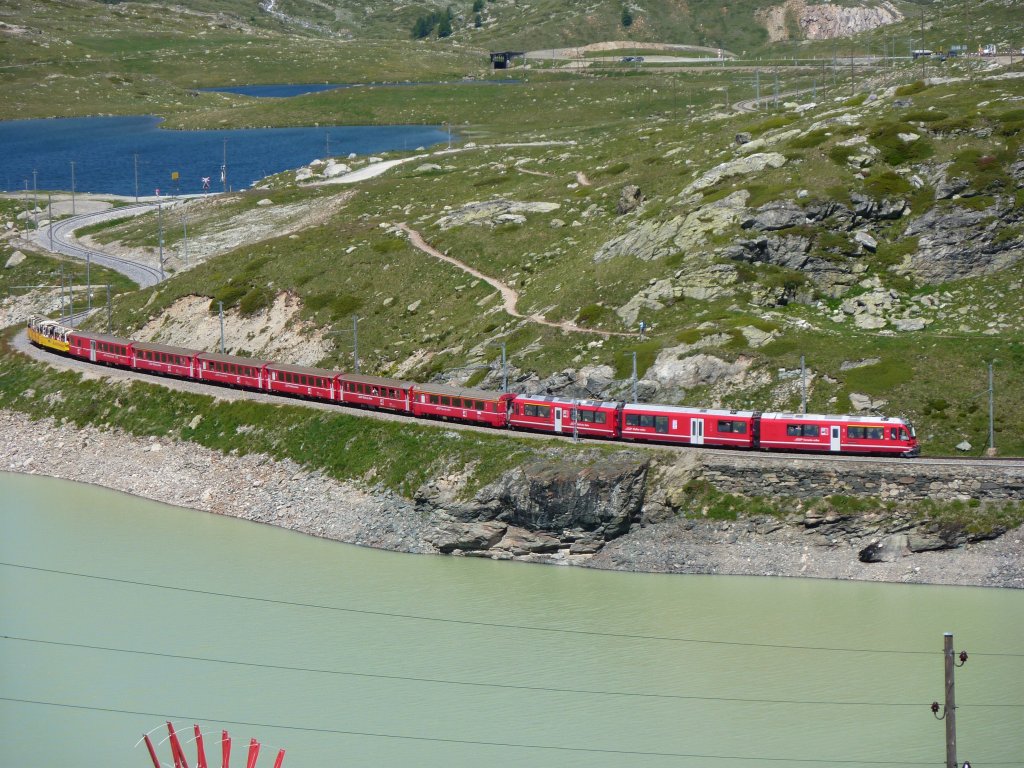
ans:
(838, 434)
(560, 415)
(298, 380)
(160, 358)
(100, 348)
(688, 426)
(232, 370)
(375, 392)
(473, 406)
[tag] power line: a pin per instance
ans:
(472, 742)
(504, 686)
(498, 625)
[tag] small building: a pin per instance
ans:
(505, 59)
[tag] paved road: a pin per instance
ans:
(62, 241)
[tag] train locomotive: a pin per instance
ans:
(627, 422)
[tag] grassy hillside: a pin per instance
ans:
(590, 136)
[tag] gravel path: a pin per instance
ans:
(509, 296)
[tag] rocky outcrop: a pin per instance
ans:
(493, 212)
(825, 21)
(541, 508)
(629, 199)
(955, 242)
(741, 166)
(685, 233)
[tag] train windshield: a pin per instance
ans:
(910, 427)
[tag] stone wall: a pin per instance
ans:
(756, 475)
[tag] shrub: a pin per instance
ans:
(590, 315)
(896, 151)
(911, 88)
(887, 184)
(230, 295)
(842, 155)
(810, 140)
(256, 299)
(339, 305)
(924, 116)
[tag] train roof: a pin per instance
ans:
(235, 359)
(578, 402)
(843, 418)
(376, 381)
(152, 346)
(685, 410)
(303, 369)
(101, 337)
(473, 394)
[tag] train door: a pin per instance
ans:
(92, 350)
(834, 442)
(697, 431)
(558, 419)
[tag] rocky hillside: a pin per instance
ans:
(824, 21)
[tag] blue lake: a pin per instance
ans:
(107, 150)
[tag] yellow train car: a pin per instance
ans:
(48, 333)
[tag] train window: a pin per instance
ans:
(736, 427)
(599, 417)
(632, 420)
(456, 402)
(661, 424)
(480, 405)
(793, 430)
(435, 400)
(857, 433)
(876, 433)
(530, 410)
(812, 430)
(445, 400)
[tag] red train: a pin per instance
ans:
(646, 422)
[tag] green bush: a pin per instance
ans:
(338, 304)
(256, 299)
(616, 169)
(591, 315)
(911, 88)
(894, 150)
(810, 140)
(887, 184)
(842, 155)
(229, 295)
(924, 116)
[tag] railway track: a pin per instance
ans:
(58, 237)
(22, 344)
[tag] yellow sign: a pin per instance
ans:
(174, 175)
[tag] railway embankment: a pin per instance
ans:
(633, 511)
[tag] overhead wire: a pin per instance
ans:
(502, 744)
(475, 684)
(491, 624)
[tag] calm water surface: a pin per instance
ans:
(105, 149)
(402, 660)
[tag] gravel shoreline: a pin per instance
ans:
(282, 493)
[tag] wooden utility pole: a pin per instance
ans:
(949, 711)
(950, 714)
